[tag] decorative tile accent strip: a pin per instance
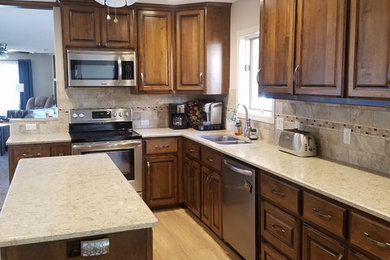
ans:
(358, 129)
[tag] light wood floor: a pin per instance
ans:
(179, 235)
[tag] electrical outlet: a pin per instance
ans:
(31, 127)
(144, 122)
(279, 123)
(347, 135)
(297, 125)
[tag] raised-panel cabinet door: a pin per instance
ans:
(120, 34)
(369, 49)
(277, 34)
(192, 185)
(161, 180)
(190, 50)
(81, 26)
(320, 45)
(206, 196)
(155, 51)
(318, 246)
(216, 207)
(187, 182)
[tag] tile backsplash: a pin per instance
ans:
(370, 131)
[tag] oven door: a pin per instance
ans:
(94, 69)
(125, 154)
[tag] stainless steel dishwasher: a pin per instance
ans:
(239, 206)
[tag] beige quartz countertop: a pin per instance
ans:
(360, 189)
(58, 198)
(38, 138)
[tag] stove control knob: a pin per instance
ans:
(120, 114)
(81, 115)
(126, 114)
(75, 115)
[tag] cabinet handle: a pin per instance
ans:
(201, 78)
(340, 257)
(60, 154)
(161, 147)
(278, 228)
(191, 150)
(210, 159)
(148, 165)
(295, 75)
(324, 216)
(105, 44)
(258, 77)
(31, 155)
(142, 78)
(278, 193)
(388, 75)
(375, 242)
(99, 44)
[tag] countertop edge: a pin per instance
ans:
(44, 239)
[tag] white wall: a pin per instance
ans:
(42, 70)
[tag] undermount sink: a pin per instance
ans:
(223, 139)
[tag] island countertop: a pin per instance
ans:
(360, 189)
(59, 198)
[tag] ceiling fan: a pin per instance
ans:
(4, 52)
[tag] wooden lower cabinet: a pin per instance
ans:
(269, 253)
(128, 245)
(319, 246)
(352, 255)
(211, 207)
(281, 230)
(192, 185)
(160, 180)
(17, 152)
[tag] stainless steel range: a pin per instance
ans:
(109, 131)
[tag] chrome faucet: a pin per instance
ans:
(247, 128)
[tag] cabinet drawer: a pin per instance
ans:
(211, 158)
(281, 230)
(280, 193)
(29, 151)
(160, 145)
(268, 253)
(192, 149)
(324, 214)
(370, 235)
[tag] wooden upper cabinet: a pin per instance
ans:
(190, 50)
(120, 34)
(87, 26)
(81, 26)
(320, 45)
(369, 49)
(277, 28)
(155, 50)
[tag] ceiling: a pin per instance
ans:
(32, 30)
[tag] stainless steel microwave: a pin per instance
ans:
(101, 68)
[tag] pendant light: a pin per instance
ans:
(116, 3)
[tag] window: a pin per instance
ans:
(259, 108)
(9, 78)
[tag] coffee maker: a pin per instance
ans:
(213, 120)
(177, 116)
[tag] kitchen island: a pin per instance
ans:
(55, 203)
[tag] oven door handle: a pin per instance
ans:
(105, 147)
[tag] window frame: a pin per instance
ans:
(244, 40)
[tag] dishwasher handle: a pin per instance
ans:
(236, 169)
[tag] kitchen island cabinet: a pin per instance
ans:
(55, 203)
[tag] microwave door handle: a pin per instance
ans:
(119, 69)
